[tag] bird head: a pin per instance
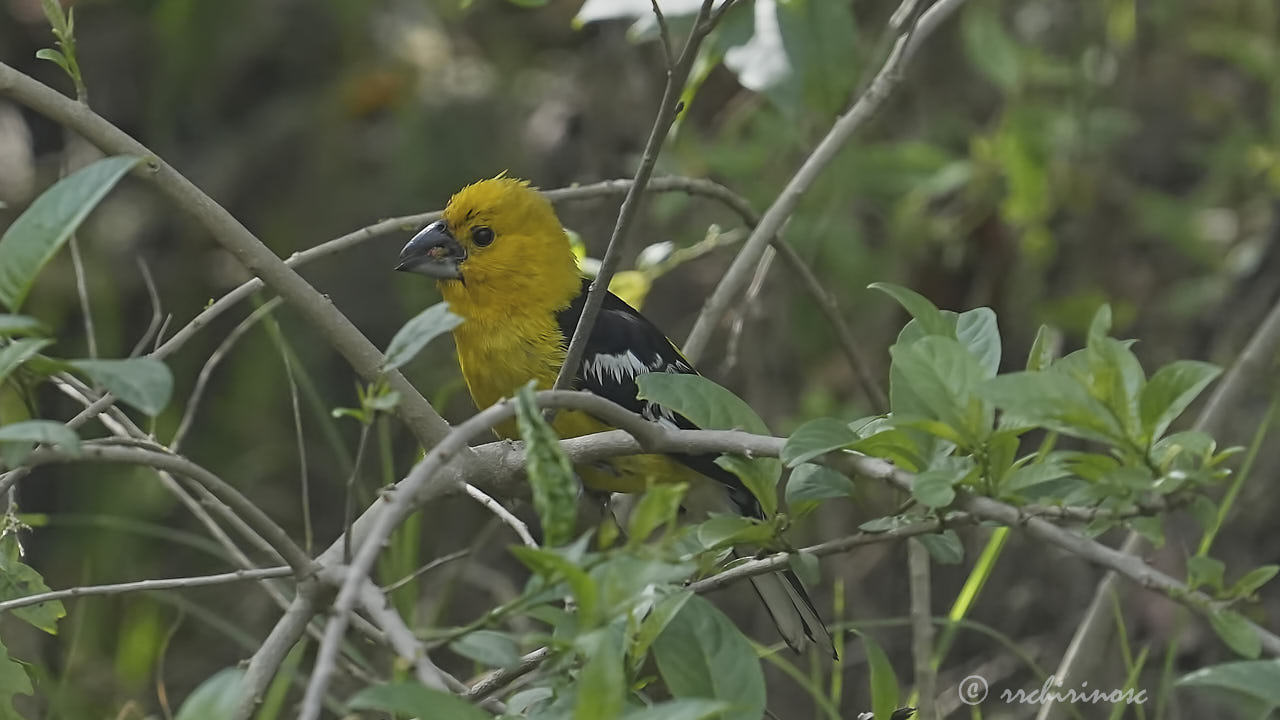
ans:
(499, 238)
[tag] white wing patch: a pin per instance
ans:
(616, 367)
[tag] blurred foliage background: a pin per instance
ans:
(1041, 157)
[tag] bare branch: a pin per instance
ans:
(256, 518)
(495, 507)
(862, 110)
(157, 315)
(215, 359)
(146, 585)
(668, 108)
(664, 34)
(922, 629)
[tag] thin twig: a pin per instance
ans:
(215, 359)
(349, 495)
(437, 562)
(668, 108)
(157, 315)
(82, 291)
(304, 481)
(245, 508)
(863, 109)
(495, 507)
(146, 585)
(664, 34)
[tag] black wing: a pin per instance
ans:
(623, 345)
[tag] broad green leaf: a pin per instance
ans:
(816, 437)
(144, 383)
(945, 547)
(414, 700)
(943, 377)
(759, 476)
(215, 698)
(979, 333)
(1033, 474)
(712, 407)
(702, 654)
(420, 330)
(488, 647)
(895, 445)
(1204, 571)
(936, 488)
(931, 319)
(1236, 632)
(989, 47)
(1253, 580)
(555, 490)
(624, 579)
(1257, 679)
(552, 566)
(1116, 378)
(18, 440)
(17, 325)
(55, 57)
(1055, 401)
(18, 579)
(688, 709)
(13, 681)
(17, 352)
(815, 482)
(728, 530)
(883, 681)
(655, 622)
(1099, 326)
(602, 684)
(37, 235)
(1170, 391)
(525, 700)
(658, 507)
(1043, 349)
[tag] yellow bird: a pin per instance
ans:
(504, 264)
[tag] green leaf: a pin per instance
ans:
(215, 698)
(925, 312)
(759, 476)
(1055, 401)
(602, 684)
(37, 235)
(655, 622)
(884, 683)
(54, 57)
(13, 681)
(990, 48)
(815, 482)
(728, 530)
(1253, 580)
(945, 547)
(414, 700)
(1043, 349)
(1099, 326)
(552, 566)
(1204, 571)
(555, 490)
(20, 580)
(13, 355)
(17, 325)
(1170, 391)
(420, 330)
(1257, 679)
(816, 437)
(1151, 528)
(488, 647)
(1236, 632)
(943, 377)
(712, 407)
(688, 709)
(1033, 474)
(935, 488)
(658, 507)
(979, 333)
(702, 654)
(144, 383)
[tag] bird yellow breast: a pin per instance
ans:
(498, 356)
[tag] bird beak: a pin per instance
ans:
(433, 252)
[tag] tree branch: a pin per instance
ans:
(862, 110)
(146, 585)
(668, 108)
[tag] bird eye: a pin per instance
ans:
(481, 236)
